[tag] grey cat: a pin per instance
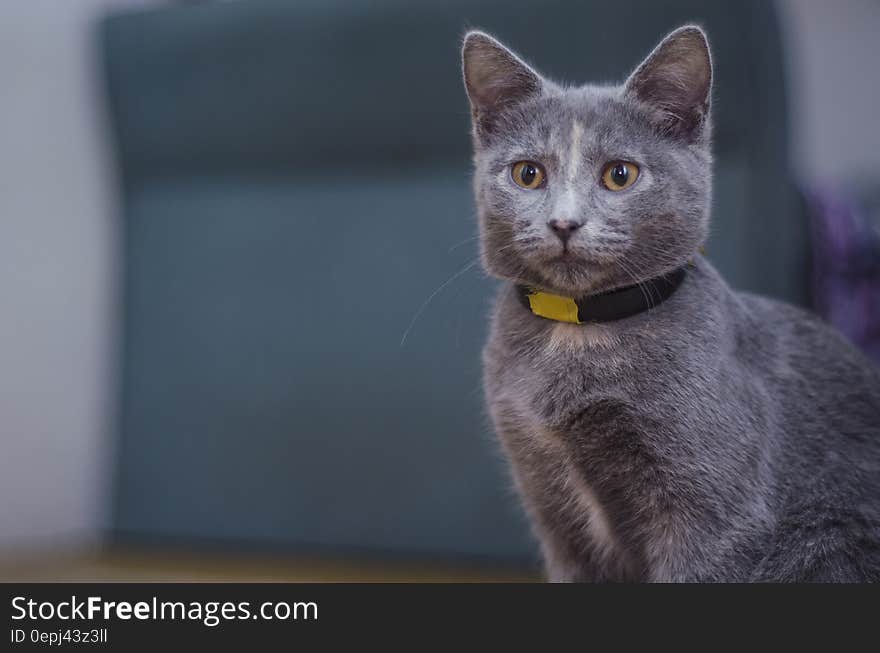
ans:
(717, 436)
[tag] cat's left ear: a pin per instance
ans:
(495, 79)
(676, 81)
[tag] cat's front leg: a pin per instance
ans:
(561, 511)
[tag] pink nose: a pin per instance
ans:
(564, 228)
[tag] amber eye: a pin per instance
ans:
(619, 175)
(527, 174)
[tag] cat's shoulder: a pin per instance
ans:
(801, 330)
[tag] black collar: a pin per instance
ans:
(604, 307)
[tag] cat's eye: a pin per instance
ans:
(527, 174)
(619, 175)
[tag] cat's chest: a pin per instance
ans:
(576, 366)
(576, 423)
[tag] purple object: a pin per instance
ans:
(846, 267)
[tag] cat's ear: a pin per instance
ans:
(676, 81)
(495, 78)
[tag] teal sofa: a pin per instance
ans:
(296, 198)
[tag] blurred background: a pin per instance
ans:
(241, 315)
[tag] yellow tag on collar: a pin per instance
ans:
(553, 307)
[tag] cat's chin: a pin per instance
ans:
(569, 274)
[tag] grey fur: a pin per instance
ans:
(720, 436)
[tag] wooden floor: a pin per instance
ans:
(121, 566)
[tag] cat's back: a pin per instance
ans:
(826, 396)
(827, 384)
(823, 391)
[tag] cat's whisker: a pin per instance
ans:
(468, 266)
(439, 289)
(635, 280)
(645, 277)
(463, 242)
(640, 264)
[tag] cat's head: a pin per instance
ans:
(585, 189)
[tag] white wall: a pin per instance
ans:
(833, 57)
(57, 278)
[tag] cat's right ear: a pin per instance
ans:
(495, 78)
(676, 81)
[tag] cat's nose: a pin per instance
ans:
(564, 228)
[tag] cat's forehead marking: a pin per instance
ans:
(566, 205)
(574, 152)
